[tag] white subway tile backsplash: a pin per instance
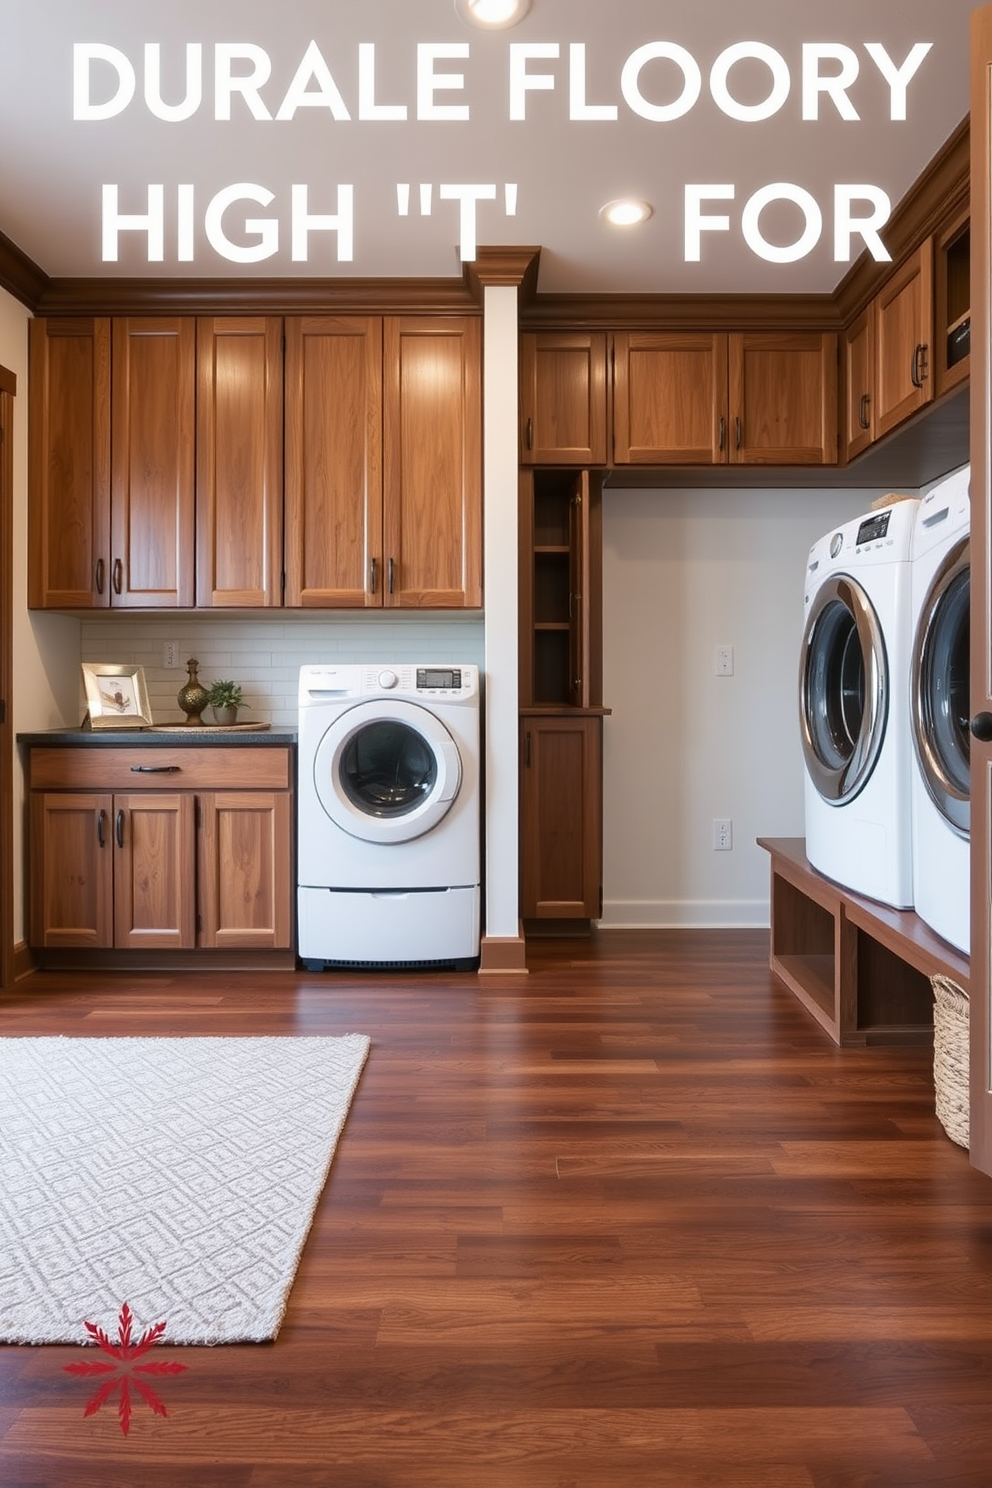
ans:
(265, 653)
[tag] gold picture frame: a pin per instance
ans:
(116, 695)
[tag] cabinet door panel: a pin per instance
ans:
(432, 462)
(72, 871)
(69, 464)
(239, 461)
(245, 868)
(561, 817)
(904, 336)
(858, 408)
(154, 868)
(670, 398)
(563, 398)
(333, 488)
(153, 424)
(783, 398)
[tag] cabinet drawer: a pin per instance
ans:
(167, 768)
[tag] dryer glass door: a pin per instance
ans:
(843, 689)
(940, 689)
(387, 771)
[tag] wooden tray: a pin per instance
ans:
(205, 728)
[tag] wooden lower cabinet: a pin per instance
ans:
(161, 868)
(561, 816)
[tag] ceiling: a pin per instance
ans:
(561, 170)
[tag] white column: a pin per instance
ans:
(500, 553)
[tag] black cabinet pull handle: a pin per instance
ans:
(919, 369)
(863, 410)
(119, 828)
(527, 749)
(723, 433)
(118, 575)
(530, 434)
(737, 433)
(98, 576)
(101, 822)
(981, 727)
(373, 566)
(155, 769)
(390, 575)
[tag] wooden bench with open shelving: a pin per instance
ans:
(863, 970)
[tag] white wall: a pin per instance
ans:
(46, 647)
(683, 573)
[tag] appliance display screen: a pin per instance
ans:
(873, 528)
(439, 677)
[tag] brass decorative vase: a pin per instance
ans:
(193, 696)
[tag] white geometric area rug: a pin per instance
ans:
(179, 1175)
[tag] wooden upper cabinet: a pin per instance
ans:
(432, 462)
(952, 304)
(783, 398)
(669, 398)
(857, 406)
(239, 461)
(69, 464)
(153, 430)
(333, 481)
(904, 341)
(563, 398)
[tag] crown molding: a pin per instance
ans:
(20, 275)
(512, 267)
(623, 312)
(256, 297)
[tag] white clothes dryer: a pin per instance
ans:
(940, 709)
(388, 851)
(854, 705)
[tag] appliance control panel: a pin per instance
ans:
(422, 679)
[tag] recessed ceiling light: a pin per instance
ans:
(626, 212)
(492, 14)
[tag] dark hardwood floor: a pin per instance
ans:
(629, 1222)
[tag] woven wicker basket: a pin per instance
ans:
(950, 1057)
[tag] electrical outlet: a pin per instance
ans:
(725, 661)
(723, 834)
(170, 654)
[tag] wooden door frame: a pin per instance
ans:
(981, 588)
(8, 390)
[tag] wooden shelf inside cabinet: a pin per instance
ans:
(560, 588)
(860, 968)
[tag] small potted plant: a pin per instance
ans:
(225, 700)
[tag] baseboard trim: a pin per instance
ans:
(24, 962)
(503, 955)
(685, 914)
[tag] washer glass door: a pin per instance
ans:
(387, 771)
(843, 689)
(940, 689)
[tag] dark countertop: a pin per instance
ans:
(161, 737)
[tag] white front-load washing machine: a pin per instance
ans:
(854, 705)
(388, 851)
(940, 709)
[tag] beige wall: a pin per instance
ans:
(684, 573)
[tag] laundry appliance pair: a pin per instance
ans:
(884, 707)
(388, 846)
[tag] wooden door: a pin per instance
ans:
(333, 481)
(981, 594)
(69, 464)
(904, 336)
(71, 869)
(245, 861)
(154, 871)
(561, 816)
(858, 398)
(239, 461)
(563, 398)
(153, 424)
(669, 398)
(432, 462)
(783, 398)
